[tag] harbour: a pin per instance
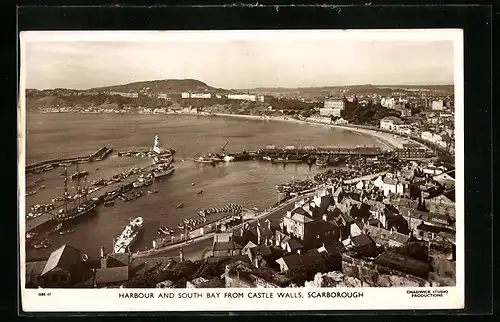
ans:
(236, 177)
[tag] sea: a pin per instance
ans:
(248, 183)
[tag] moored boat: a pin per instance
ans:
(66, 232)
(128, 236)
(109, 203)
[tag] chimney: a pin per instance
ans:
(259, 240)
(104, 262)
(268, 224)
(298, 251)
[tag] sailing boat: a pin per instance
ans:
(82, 207)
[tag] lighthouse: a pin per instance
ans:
(156, 146)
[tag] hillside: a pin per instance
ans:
(163, 86)
(349, 90)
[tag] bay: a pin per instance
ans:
(251, 184)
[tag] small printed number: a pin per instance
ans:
(43, 294)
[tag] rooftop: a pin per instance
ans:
(111, 275)
(296, 260)
(220, 246)
(362, 240)
(64, 257)
(403, 263)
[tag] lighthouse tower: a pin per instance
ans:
(156, 146)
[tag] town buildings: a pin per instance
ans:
(332, 107)
(437, 105)
(246, 97)
(390, 123)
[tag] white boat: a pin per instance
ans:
(128, 236)
(139, 182)
(162, 171)
(228, 158)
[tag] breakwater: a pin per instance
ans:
(53, 163)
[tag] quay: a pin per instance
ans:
(98, 155)
(46, 219)
(310, 151)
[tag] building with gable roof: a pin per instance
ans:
(443, 204)
(63, 266)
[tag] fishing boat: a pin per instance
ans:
(139, 182)
(199, 192)
(30, 193)
(79, 174)
(163, 170)
(30, 235)
(68, 231)
(286, 160)
(322, 162)
(54, 229)
(152, 191)
(111, 195)
(148, 180)
(181, 205)
(37, 245)
(203, 160)
(164, 230)
(109, 203)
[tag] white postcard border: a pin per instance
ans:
(105, 300)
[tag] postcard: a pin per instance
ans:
(282, 170)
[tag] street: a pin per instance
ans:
(196, 249)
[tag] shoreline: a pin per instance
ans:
(389, 141)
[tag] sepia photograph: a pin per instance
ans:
(319, 163)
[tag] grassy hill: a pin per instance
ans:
(164, 86)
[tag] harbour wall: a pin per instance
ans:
(95, 156)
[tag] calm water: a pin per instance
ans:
(251, 184)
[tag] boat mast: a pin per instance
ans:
(78, 187)
(65, 196)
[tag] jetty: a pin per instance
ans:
(46, 165)
(304, 152)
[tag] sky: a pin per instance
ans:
(240, 64)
